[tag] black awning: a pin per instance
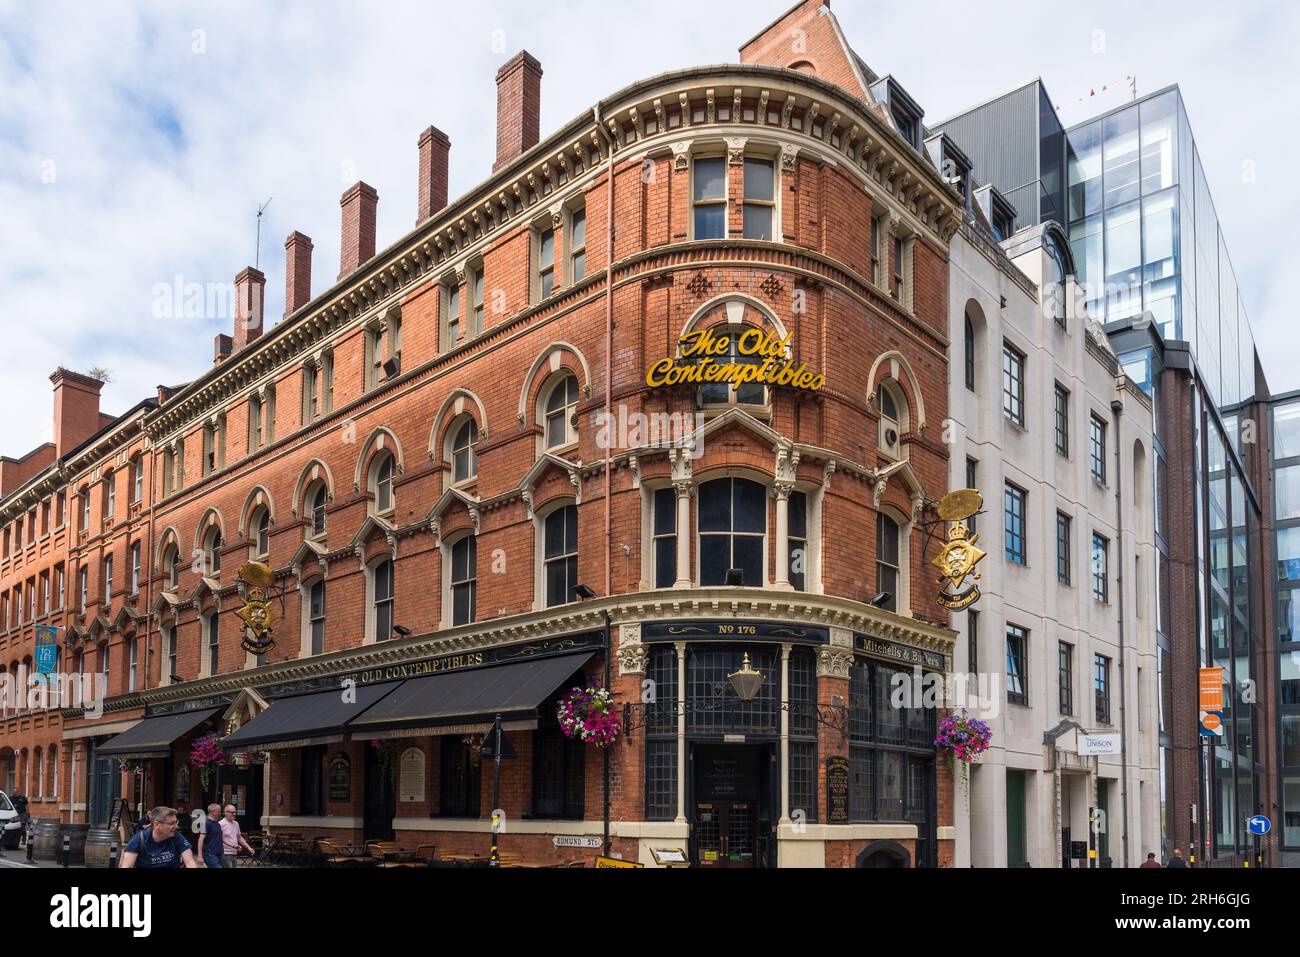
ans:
(511, 690)
(301, 720)
(154, 737)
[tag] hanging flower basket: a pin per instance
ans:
(133, 765)
(206, 754)
(387, 752)
(590, 716)
(962, 737)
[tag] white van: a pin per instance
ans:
(11, 828)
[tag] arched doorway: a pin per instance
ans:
(884, 854)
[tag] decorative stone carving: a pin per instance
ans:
(681, 157)
(736, 150)
(632, 655)
(841, 637)
(789, 156)
(833, 664)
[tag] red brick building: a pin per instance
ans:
(433, 453)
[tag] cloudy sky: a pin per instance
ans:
(137, 139)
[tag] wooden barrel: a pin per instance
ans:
(98, 840)
(76, 835)
(45, 840)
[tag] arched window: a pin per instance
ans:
(723, 393)
(212, 552)
(464, 580)
(315, 508)
(171, 567)
(40, 772)
(54, 771)
(260, 528)
(381, 483)
(893, 420)
(561, 405)
(560, 559)
(381, 590)
(733, 530)
(970, 353)
(464, 461)
(887, 561)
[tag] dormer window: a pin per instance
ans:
(903, 110)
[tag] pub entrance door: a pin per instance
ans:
(380, 799)
(731, 805)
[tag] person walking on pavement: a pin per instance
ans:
(1177, 859)
(232, 838)
(159, 846)
(210, 839)
(1151, 862)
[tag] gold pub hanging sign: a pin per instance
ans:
(959, 557)
(255, 581)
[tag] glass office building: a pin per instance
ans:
(1146, 237)
(1286, 516)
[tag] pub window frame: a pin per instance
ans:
(562, 555)
(706, 574)
(663, 537)
(698, 201)
(548, 738)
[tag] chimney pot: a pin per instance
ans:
(297, 272)
(359, 203)
(435, 150)
(519, 107)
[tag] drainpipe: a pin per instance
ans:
(1117, 407)
(607, 538)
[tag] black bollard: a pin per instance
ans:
(112, 855)
(30, 847)
(67, 850)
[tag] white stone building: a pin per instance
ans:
(1059, 441)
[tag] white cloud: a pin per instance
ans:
(160, 154)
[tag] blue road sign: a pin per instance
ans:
(1259, 825)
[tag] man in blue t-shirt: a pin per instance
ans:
(210, 840)
(160, 845)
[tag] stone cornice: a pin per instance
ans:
(644, 117)
(712, 603)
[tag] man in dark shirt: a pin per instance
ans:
(210, 840)
(159, 845)
(1177, 859)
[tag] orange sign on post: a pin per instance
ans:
(1211, 689)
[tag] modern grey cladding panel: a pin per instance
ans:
(1001, 138)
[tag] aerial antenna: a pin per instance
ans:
(257, 257)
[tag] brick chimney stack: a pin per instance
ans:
(435, 150)
(359, 205)
(250, 298)
(297, 272)
(519, 107)
(76, 409)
